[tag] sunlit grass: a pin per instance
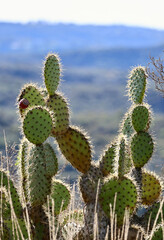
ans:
(68, 223)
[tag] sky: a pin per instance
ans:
(145, 13)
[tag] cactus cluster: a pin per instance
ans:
(123, 184)
(114, 186)
(40, 118)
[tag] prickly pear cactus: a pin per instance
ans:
(44, 113)
(52, 71)
(125, 192)
(37, 125)
(75, 147)
(151, 188)
(114, 187)
(107, 163)
(29, 96)
(158, 233)
(137, 84)
(11, 193)
(60, 194)
(58, 105)
(141, 148)
(119, 181)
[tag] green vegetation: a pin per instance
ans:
(95, 91)
(113, 190)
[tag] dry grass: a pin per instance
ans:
(73, 225)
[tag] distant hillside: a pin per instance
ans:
(116, 58)
(43, 37)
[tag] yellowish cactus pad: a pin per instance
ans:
(151, 188)
(59, 107)
(76, 148)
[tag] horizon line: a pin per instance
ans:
(46, 22)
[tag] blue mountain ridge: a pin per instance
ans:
(43, 37)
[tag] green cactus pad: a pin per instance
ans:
(107, 163)
(59, 107)
(158, 233)
(137, 84)
(151, 188)
(23, 163)
(37, 125)
(124, 160)
(141, 148)
(13, 192)
(126, 126)
(140, 118)
(76, 148)
(151, 214)
(6, 233)
(39, 185)
(33, 95)
(51, 160)
(6, 209)
(52, 73)
(61, 196)
(126, 197)
(16, 234)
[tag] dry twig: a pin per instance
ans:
(155, 71)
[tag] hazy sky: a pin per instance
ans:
(130, 12)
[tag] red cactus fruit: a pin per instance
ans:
(24, 103)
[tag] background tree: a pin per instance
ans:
(155, 71)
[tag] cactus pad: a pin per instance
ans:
(61, 196)
(4, 204)
(23, 163)
(126, 197)
(152, 213)
(51, 160)
(141, 148)
(39, 185)
(137, 84)
(107, 164)
(126, 126)
(151, 188)
(37, 125)
(52, 73)
(6, 233)
(13, 192)
(76, 149)
(31, 96)
(158, 233)
(58, 105)
(140, 118)
(16, 233)
(124, 160)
